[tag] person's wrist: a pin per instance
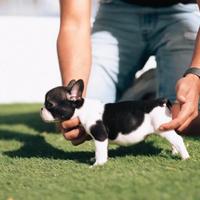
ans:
(193, 77)
(193, 72)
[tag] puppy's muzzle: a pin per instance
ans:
(46, 115)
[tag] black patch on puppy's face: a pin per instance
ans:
(58, 105)
(62, 101)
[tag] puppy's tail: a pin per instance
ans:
(166, 102)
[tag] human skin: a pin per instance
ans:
(73, 43)
(187, 94)
(74, 54)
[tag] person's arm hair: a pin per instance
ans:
(73, 43)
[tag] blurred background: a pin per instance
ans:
(28, 55)
(29, 7)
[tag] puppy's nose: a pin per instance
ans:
(41, 109)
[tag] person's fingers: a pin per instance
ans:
(173, 124)
(70, 135)
(83, 136)
(68, 124)
(80, 140)
(187, 122)
(187, 92)
(183, 115)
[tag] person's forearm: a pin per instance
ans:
(73, 44)
(74, 54)
(196, 55)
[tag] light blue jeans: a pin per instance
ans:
(124, 36)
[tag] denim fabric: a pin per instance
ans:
(124, 36)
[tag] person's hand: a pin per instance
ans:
(186, 109)
(73, 131)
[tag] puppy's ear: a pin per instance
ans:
(76, 90)
(70, 84)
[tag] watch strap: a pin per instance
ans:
(192, 70)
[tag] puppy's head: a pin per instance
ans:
(61, 102)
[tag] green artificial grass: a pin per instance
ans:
(36, 163)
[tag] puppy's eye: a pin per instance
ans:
(63, 117)
(49, 105)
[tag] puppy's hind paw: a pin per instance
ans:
(185, 155)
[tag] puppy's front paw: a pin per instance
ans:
(185, 157)
(98, 163)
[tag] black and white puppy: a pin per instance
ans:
(123, 123)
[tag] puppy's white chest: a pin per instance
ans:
(91, 112)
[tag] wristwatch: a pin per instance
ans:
(192, 70)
